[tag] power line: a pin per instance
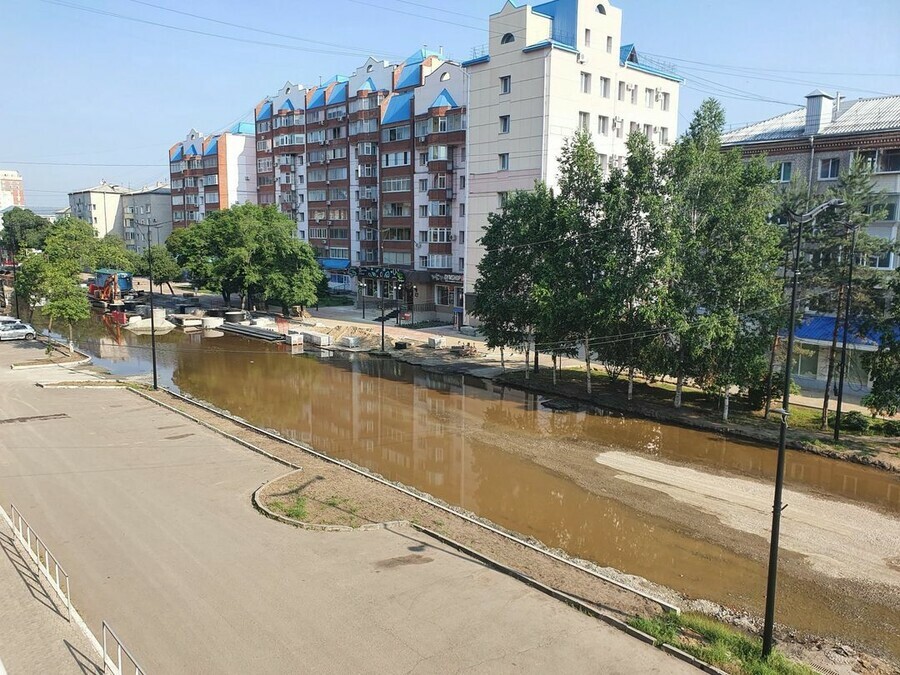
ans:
(769, 70)
(9, 161)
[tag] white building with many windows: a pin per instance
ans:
(549, 70)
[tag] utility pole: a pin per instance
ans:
(777, 508)
(15, 262)
(843, 366)
(152, 318)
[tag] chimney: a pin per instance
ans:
(836, 110)
(819, 106)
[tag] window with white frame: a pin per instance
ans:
(396, 184)
(505, 84)
(649, 97)
(609, 44)
(664, 100)
(585, 83)
(423, 210)
(785, 169)
(423, 185)
(397, 258)
(443, 295)
(389, 159)
(664, 135)
(584, 121)
(503, 161)
(395, 134)
(504, 124)
(621, 90)
(603, 125)
(502, 198)
(604, 87)
(587, 37)
(829, 169)
(437, 153)
(440, 260)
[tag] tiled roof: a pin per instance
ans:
(863, 115)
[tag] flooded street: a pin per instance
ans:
(566, 479)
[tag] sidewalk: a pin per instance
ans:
(35, 636)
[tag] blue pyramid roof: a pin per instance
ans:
(287, 105)
(625, 52)
(410, 77)
(192, 150)
(398, 109)
(444, 100)
(265, 113)
(420, 55)
(179, 154)
(318, 98)
(368, 85)
(338, 94)
(211, 148)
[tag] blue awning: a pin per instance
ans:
(334, 264)
(821, 329)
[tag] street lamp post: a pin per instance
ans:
(15, 262)
(843, 366)
(362, 295)
(152, 318)
(398, 294)
(412, 305)
(769, 626)
(382, 316)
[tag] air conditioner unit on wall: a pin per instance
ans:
(581, 58)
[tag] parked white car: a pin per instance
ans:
(16, 331)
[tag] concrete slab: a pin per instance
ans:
(151, 516)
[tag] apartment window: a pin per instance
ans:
(587, 37)
(397, 258)
(338, 194)
(504, 124)
(603, 125)
(585, 83)
(649, 97)
(316, 175)
(423, 158)
(462, 264)
(829, 169)
(664, 100)
(395, 210)
(462, 182)
(664, 135)
(439, 235)
(609, 44)
(621, 90)
(390, 159)
(318, 233)
(604, 87)
(423, 261)
(784, 172)
(423, 211)
(505, 84)
(462, 210)
(634, 94)
(584, 121)
(504, 161)
(212, 198)
(367, 149)
(437, 153)
(604, 161)
(339, 173)
(423, 185)
(263, 146)
(398, 234)
(462, 236)
(502, 198)
(396, 184)
(437, 209)
(648, 131)
(395, 134)
(423, 236)
(443, 295)
(440, 261)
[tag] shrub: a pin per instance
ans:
(851, 421)
(890, 427)
(756, 393)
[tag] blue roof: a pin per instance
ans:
(192, 150)
(564, 14)
(265, 113)
(179, 154)
(368, 85)
(287, 105)
(398, 109)
(420, 55)
(318, 98)
(334, 263)
(336, 78)
(821, 329)
(411, 76)
(444, 100)
(245, 128)
(338, 93)
(211, 148)
(474, 62)
(628, 57)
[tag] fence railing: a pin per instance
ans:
(113, 663)
(42, 556)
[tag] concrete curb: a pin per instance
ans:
(315, 527)
(412, 493)
(237, 440)
(687, 658)
(58, 343)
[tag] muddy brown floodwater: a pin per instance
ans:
(498, 453)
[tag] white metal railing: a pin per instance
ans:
(42, 556)
(113, 662)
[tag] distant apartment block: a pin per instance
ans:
(371, 167)
(549, 70)
(12, 190)
(211, 172)
(102, 207)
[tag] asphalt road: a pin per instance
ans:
(150, 515)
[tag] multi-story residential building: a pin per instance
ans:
(813, 145)
(212, 172)
(549, 70)
(148, 216)
(102, 207)
(12, 190)
(370, 166)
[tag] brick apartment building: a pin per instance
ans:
(371, 168)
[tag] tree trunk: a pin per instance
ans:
(679, 387)
(171, 290)
(527, 356)
(536, 354)
(554, 369)
(630, 382)
(502, 358)
(587, 363)
(71, 351)
(50, 325)
(725, 404)
(823, 423)
(226, 298)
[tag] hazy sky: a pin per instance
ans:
(91, 87)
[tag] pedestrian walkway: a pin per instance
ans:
(35, 635)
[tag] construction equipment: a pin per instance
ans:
(110, 285)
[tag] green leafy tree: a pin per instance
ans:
(884, 398)
(164, 266)
(110, 252)
(66, 300)
(23, 229)
(724, 288)
(72, 243)
(31, 277)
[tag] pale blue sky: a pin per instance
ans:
(90, 88)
